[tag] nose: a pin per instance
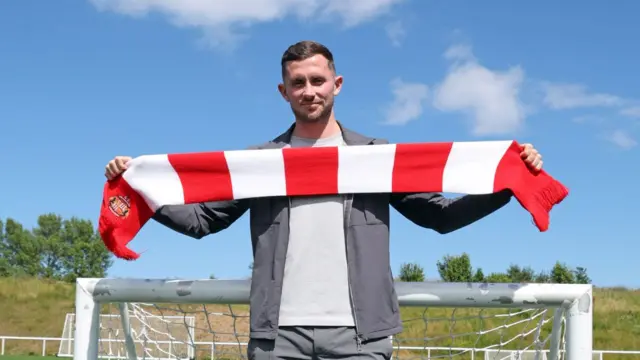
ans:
(308, 91)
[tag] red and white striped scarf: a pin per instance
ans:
(480, 167)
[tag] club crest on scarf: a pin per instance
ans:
(120, 206)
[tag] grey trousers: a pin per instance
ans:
(318, 343)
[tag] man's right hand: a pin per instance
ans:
(116, 166)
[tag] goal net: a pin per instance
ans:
(160, 336)
(209, 319)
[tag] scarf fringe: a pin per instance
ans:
(540, 202)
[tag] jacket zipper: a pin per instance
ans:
(347, 217)
(289, 205)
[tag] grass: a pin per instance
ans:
(37, 308)
(28, 357)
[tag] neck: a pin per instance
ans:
(317, 130)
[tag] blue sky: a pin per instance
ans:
(81, 82)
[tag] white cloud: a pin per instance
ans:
(395, 33)
(221, 20)
(460, 53)
(351, 12)
(631, 112)
(409, 100)
(622, 139)
(489, 97)
(593, 119)
(568, 96)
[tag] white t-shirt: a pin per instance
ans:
(315, 288)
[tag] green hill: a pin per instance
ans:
(37, 308)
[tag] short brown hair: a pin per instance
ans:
(303, 50)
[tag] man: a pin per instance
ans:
(322, 285)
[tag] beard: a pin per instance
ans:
(317, 116)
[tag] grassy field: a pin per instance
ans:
(28, 357)
(37, 308)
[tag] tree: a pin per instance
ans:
(20, 251)
(455, 268)
(55, 249)
(85, 253)
(4, 261)
(542, 277)
(498, 278)
(478, 276)
(520, 275)
(458, 269)
(411, 272)
(581, 276)
(52, 248)
(562, 274)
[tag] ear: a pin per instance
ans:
(283, 92)
(337, 85)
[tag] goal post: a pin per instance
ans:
(442, 320)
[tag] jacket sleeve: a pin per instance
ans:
(434, 211)
(202, 219)
(444, 215)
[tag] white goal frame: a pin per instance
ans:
(572, 302)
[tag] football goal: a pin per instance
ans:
(208, 319)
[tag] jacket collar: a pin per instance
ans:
(350, 137)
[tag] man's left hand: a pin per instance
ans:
(531, 156)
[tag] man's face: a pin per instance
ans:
(310, 87)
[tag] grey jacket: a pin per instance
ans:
(373, 295)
